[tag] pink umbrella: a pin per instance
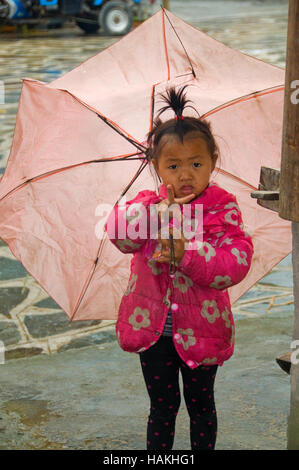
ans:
(77, 148)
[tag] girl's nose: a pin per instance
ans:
(185, 175)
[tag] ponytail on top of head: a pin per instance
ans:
(180, 125)
(177, 101)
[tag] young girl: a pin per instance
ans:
(176, 311)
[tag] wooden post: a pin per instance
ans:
(289, 172)
(293, 421)
(289, 194)
(166, 4)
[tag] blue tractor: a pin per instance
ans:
(112, 17)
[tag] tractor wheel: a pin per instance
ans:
(116, 19)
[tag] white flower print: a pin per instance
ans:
(216, 238)
(131, 284)
(139, 318)
(180, 340)
(227, 241)
(231, 205)
(206, 250)
(220, 282)
(241, 256)
(138, 208)
(124, 244)
(182, 286)
(244, 228)
(225, 315)
(190, 228)
(144, 349)
(229, 217)
(205, 313)
(154, 267)
(209, 360)
(215, 211)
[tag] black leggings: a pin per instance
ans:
(160, 366)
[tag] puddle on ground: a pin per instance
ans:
(30, 414)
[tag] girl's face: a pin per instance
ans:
(186, 166)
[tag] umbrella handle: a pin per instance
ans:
(172, 263)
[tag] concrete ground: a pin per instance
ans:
(95, 397)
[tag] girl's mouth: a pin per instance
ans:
(186, 189)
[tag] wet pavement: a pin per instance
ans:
(95, 398)
(70, 386)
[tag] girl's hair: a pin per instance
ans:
(180, 125)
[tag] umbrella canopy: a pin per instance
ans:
(78, 143)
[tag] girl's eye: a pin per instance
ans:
(196, 164)
(172, 167)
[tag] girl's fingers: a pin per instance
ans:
(179, 200)
(163, 254)
(183, 200)
(163, 259)
(170, 194)
(162, 209)
(164, 242)
(171, 199)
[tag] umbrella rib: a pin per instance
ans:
(103, 160)
(138, 172)
(165, 44)
(192, 69)
(140, 169)
(116, 129)
(84, 289)
(250, 96)
(152, 106)
(111, 124)
(240, 180)
(184, 75)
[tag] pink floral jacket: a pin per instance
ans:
(202, 321)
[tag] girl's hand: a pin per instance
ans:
(163, 205)
(178, 238)
(178, 243)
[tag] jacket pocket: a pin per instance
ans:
(138, 322)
